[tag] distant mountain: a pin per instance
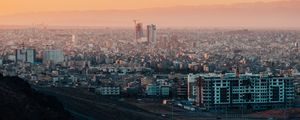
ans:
(257, 14)
(19, 102)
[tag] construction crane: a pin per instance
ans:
(135, 21)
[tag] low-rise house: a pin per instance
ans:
(108, 90)
(151, 90)
(165, 90)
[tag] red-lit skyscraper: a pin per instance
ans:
(139, 31)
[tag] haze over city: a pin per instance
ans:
(166, 13)
(149, 59)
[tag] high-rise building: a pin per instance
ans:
(151, 35)
(139, 31)
(25, 55)
(192, 87)
(220, 92)
(53, 56)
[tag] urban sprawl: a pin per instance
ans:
(197, 69)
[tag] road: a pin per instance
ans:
(86, 106)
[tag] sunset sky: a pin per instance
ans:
(165, 13)
(24, 6)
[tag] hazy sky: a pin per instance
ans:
(23, 6)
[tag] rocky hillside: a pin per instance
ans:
(19, 102)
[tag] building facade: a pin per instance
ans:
(151, 34)
(139, 33)
(108, 90)
(244, 92)
(165, 90)
(25, 55)
(53, 56)
(192, 87)
(152, 90)
(158, 90)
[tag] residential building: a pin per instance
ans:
(53, 56)
(139, 31)
(151, 90)
(25, 55)
(158, 90)
(192, 88)
(221, 92)
(108, 90)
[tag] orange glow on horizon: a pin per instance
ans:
(24, 6)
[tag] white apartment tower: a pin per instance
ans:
(151, 35)
(247, 91)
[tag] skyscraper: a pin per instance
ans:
(151, 34)
(25, 55)
(139, 31)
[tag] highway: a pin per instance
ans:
(84, 105)
(87, 106)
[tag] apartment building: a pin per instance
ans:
(157, 90)
(219, 92)
(108, 90)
